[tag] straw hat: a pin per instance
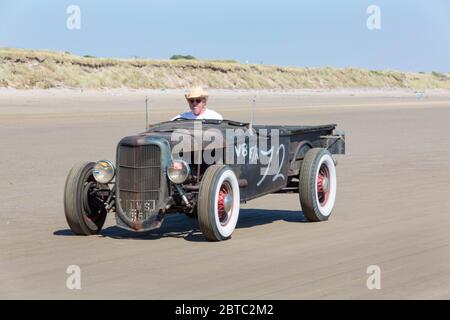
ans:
(196, 92)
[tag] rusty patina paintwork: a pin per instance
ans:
(294, 142)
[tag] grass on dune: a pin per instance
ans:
(24, 69)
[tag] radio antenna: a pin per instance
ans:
(252, 113)
(146, 113)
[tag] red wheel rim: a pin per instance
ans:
(223, 198)
(323, 184)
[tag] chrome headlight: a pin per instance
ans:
(178, 171)
(104, 171)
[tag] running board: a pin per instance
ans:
(287, 190)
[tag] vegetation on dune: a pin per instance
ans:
(182, 57)
(46, 69)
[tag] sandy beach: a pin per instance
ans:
(392, 208)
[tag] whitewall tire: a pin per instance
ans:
(218, 203)
(317, 184)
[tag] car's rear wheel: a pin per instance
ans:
(84, 200)
(218, 203)
(317, 184)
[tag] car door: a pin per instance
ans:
(261, 162)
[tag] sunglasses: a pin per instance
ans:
(198, 100)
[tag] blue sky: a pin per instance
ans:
(414, 34)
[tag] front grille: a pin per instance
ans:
(139, 179)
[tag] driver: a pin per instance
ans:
(197, 98)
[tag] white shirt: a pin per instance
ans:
(207, 114)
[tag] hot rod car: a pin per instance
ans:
(152, 177)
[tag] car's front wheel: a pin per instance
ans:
(218, 203)
(84, 200)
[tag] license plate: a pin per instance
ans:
(138, 210)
